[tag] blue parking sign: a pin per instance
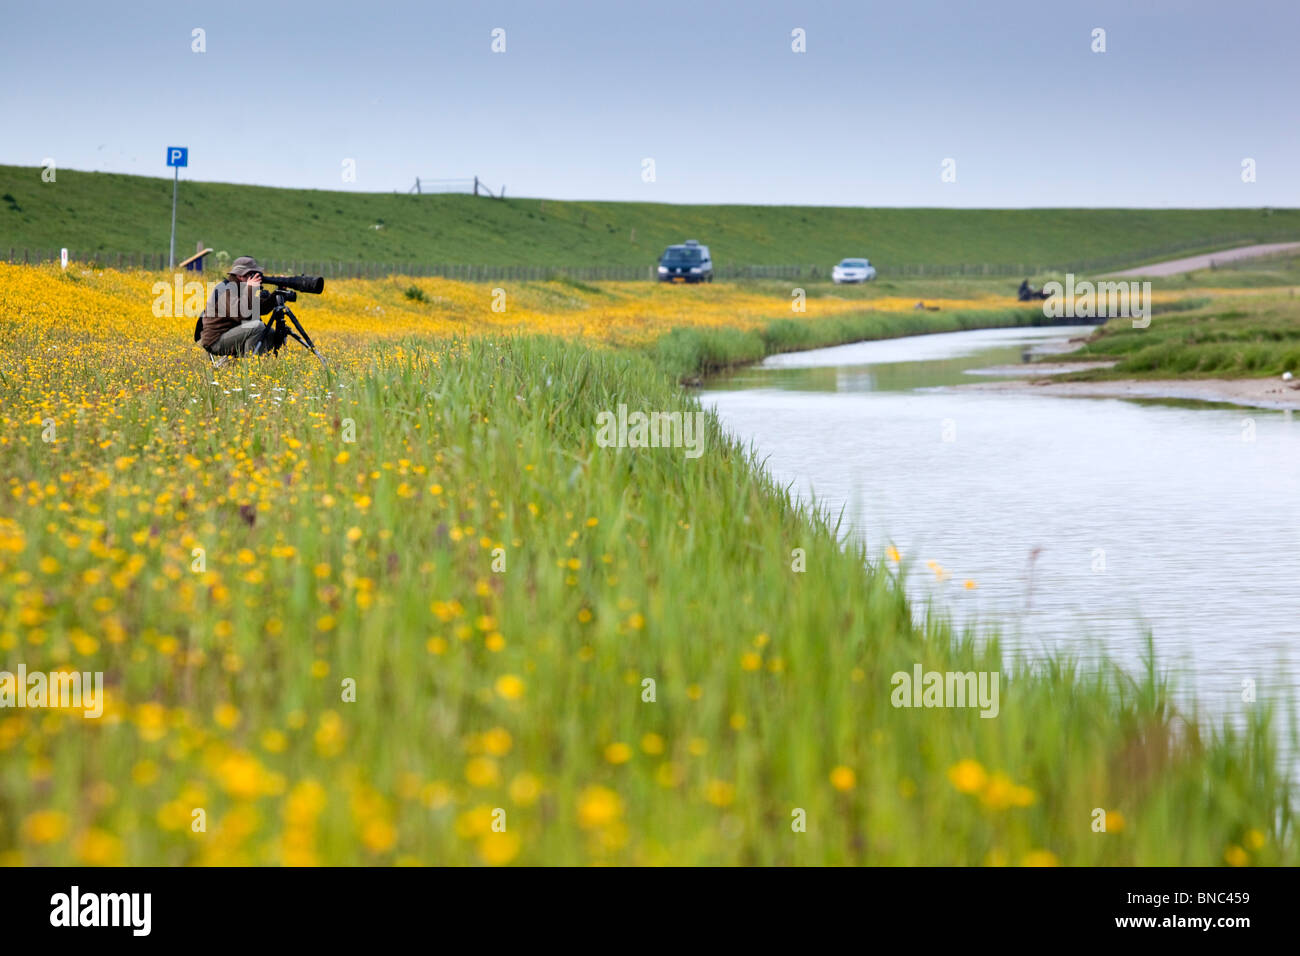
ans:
(178, 156)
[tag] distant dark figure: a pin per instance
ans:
(1027, 293)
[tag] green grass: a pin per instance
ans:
(689, 353)
(1243, 337)
(103, 212)
(620, 565)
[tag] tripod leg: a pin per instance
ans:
(267, 336)
(305, 339)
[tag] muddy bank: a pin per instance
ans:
(1252, 392)
(1041, 368)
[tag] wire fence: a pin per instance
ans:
(471, 185)
(334, 268)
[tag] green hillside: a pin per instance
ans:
(110, 213)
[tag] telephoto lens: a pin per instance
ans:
(313, 285)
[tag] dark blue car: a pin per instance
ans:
(689, 262)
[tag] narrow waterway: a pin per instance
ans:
(1058, 522)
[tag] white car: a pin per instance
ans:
(853, 270)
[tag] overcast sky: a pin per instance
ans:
(711, 92)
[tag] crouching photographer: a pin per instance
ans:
(231, 323)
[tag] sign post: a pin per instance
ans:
(177, 156)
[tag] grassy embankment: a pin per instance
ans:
(1247, 326)
(518, 687)
(101, 212)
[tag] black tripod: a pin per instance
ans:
(277, 331)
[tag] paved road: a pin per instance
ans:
(1192, 263)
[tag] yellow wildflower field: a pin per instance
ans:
(406, 612)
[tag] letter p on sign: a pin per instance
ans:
(178, 156)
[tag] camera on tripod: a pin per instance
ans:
(287, 289)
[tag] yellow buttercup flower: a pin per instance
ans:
(241, 775)
(497, 741)
(525, 789)
(45, 826)
(968, 776)
(996, 793)
(98, 847)
(510, 687)
(474, 823)
(482, 772)
(498, 849)
(330, 735)
(378, 835)
(598, 806)
(720, 793)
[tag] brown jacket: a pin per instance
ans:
(229, 304)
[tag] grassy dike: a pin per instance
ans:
(372, 650)
(109, 212)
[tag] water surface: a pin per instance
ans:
(1081, 523)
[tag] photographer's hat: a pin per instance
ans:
(244, 265)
